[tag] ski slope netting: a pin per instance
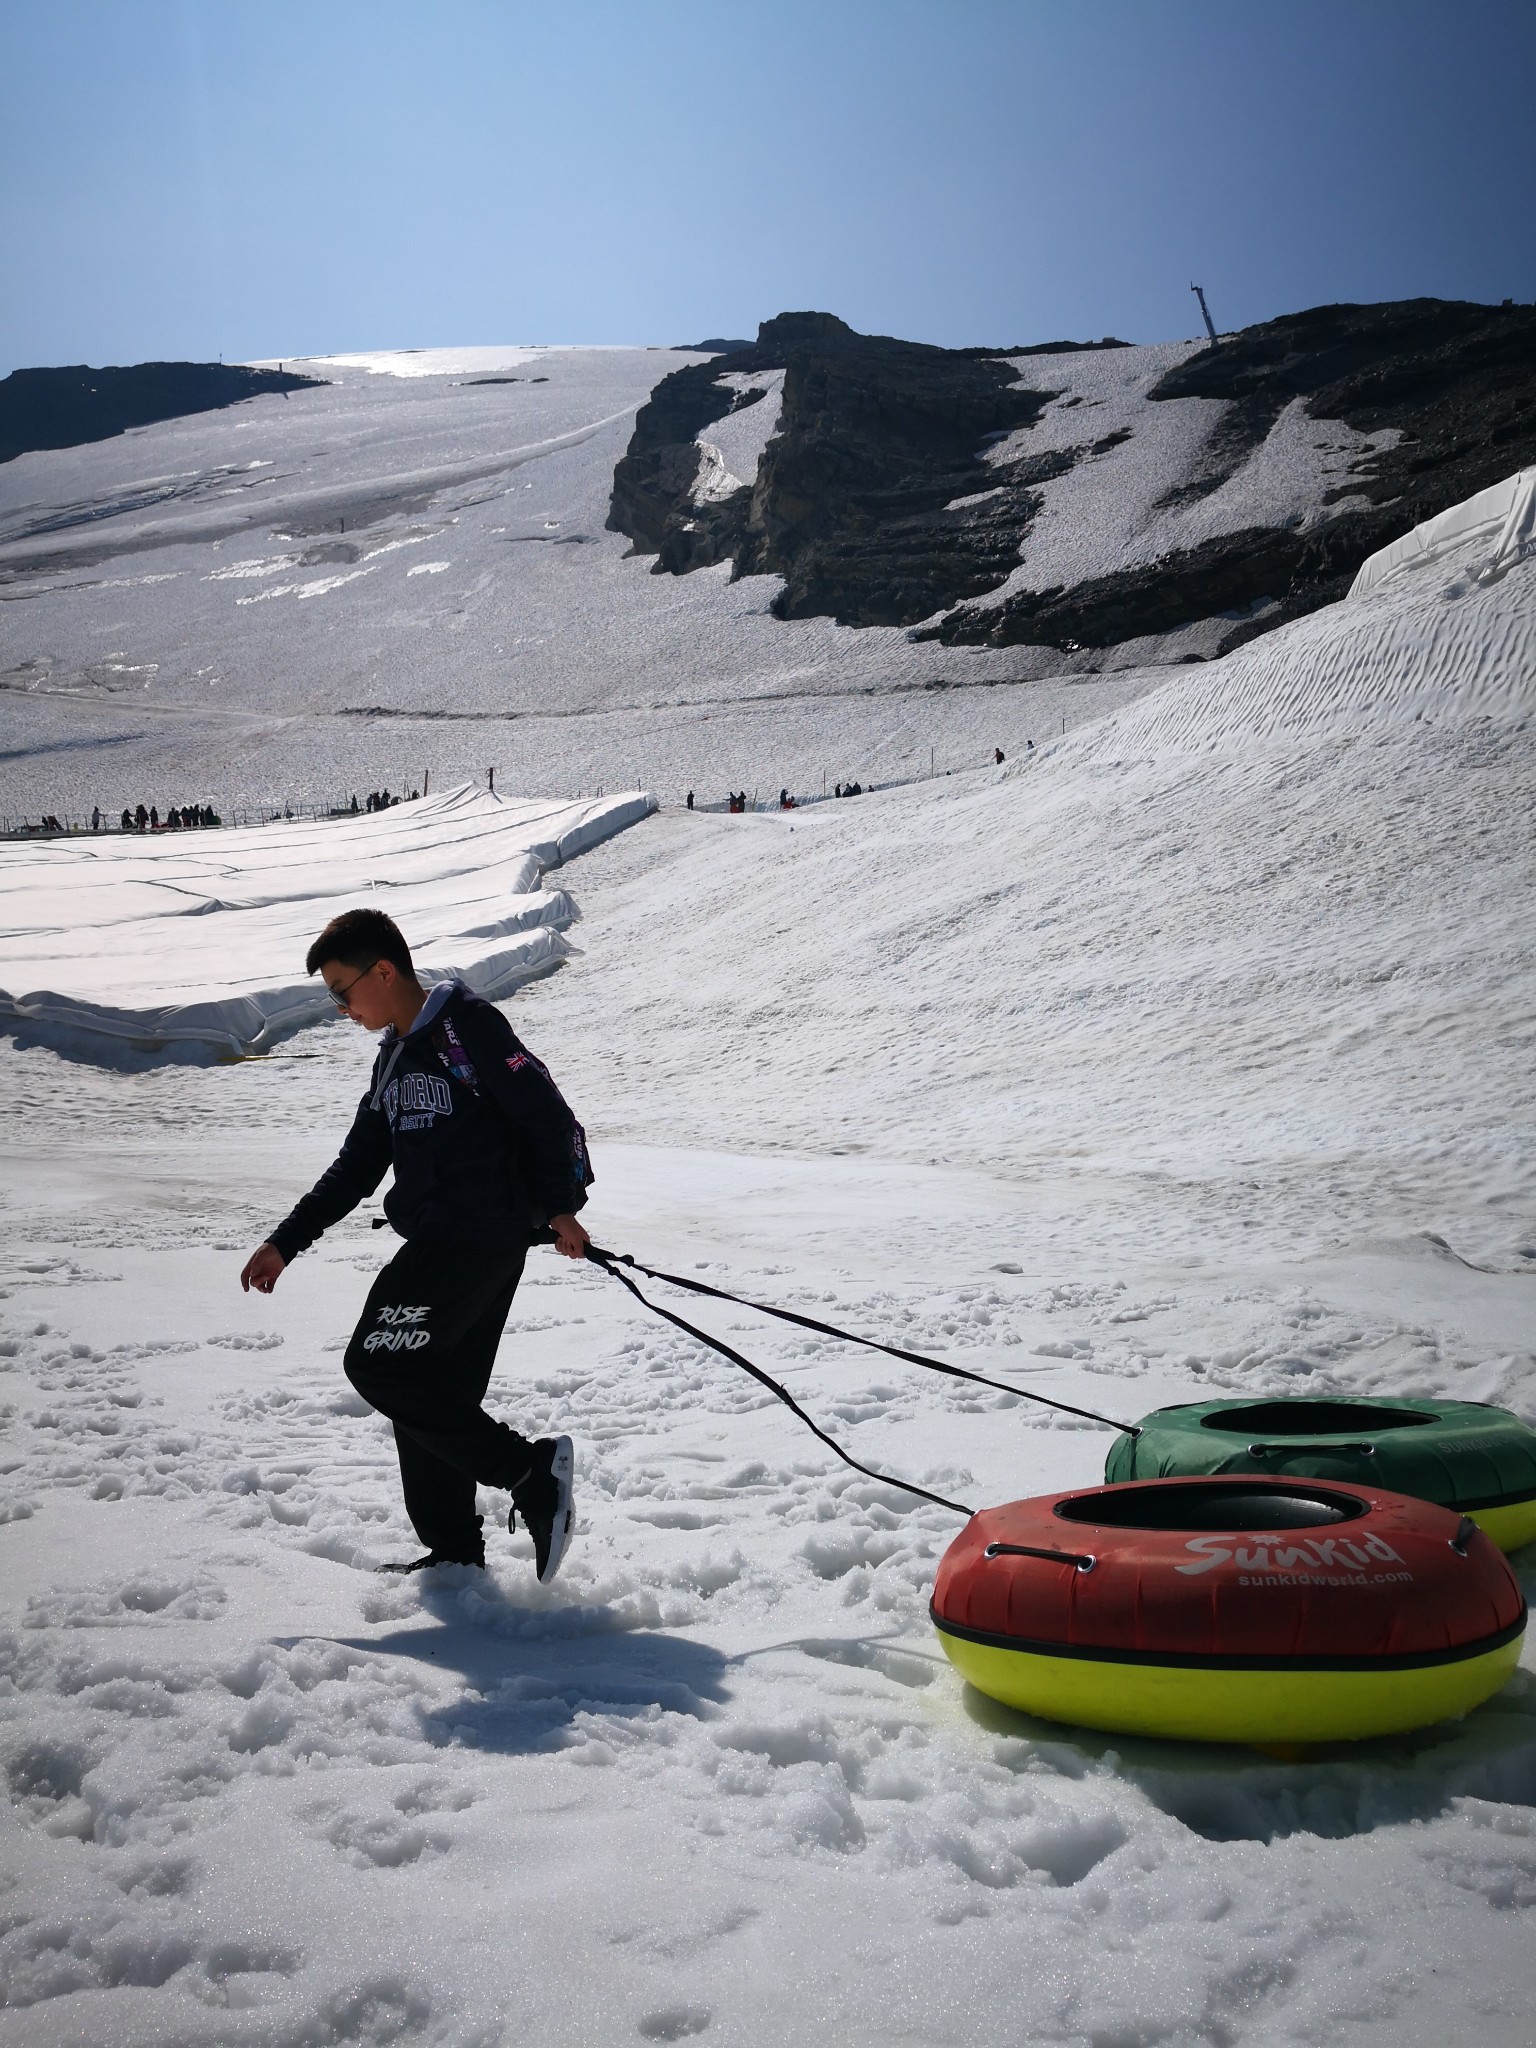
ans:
(194, 942)
(1439, 628)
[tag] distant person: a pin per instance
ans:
(1029, 746)
(141, 818)
(487, 1161)
(354, 803)
(154, 818)
(95, 817)
(127, 824)
(997, 755)
(415, 793)
(690, 799)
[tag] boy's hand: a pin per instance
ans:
(262, 1269)
(570, 1238)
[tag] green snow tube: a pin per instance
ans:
(1460, 1454)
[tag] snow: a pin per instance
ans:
(1189, 1056)
(733, 447)
(1123, 506)
(429, 362)
(197, 939)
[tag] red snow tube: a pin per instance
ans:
(1230, 1610)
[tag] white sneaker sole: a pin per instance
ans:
(562, 1469)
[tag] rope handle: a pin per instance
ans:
(611, 1261)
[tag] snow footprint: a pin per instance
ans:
(674, 2023)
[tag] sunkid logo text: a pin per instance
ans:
(1283, 1554)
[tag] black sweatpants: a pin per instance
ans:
(422, 1354)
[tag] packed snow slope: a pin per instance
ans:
(1193, 1057)
(406, 569)
(193, 943)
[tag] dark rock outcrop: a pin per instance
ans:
(876, 438)
(64, 407)
(1458, 384)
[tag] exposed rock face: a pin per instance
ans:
(882, 498)
(64, 407)
(1456, 382)
(849, 505)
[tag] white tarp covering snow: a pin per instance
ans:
(1401, 651)
(195, 941)
(1500, 522)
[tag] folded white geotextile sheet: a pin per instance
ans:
(195, 941)
(1496, 528)
(1456, 648)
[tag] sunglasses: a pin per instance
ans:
(342, 997)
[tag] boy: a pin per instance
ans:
(487, 1161)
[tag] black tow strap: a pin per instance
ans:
(608, 1262)
(611, 1262)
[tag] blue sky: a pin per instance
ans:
(191, 177)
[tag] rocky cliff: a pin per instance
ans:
(1107, 502)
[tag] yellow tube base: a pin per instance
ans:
(1510, 1527)
(1215, 1703)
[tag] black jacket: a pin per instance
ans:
(480, 1138)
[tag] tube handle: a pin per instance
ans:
(1078, 1559)
(1308, 1450)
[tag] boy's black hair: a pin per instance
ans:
(356, 939)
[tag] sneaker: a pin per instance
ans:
(543, 1499)
(433, 1557)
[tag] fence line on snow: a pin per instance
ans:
(284, 811)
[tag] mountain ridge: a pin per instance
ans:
(904, 483)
